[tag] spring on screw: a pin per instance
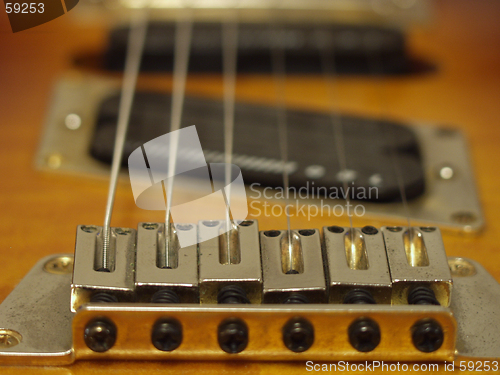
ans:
(296, 298)
(359, 297)
(422, 295)
(232, 294)
(103, 297)
(165, 296)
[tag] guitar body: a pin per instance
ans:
(40, 211)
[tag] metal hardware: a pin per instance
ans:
(356, 262)
(427, 335)
(214, 275)
(417, 258)
(298, 335)
(232, 335)
(87, 280)
(166, 334)
(364, 335)
(48, 339)
(265, 331)
(100, 335)
(179, 283)
(305, 275)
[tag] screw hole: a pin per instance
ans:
(89, 228)
(184, 227)
(335, 229)
(210, 223)
(246, 223)
(150, 226)
(394, 229)
(307, 232)
(428, 229)
(369, 230)
(122, 231)
(272, 233)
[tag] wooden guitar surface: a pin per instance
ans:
(40, 211)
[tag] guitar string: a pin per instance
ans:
(376, 67)
(278, 67)
(330, 73)
(135, 46)
(229, 56)
(183, 36)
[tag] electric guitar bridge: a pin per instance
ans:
(322, 295)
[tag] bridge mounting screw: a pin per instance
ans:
(364, 335)
(427, 335)
(100, 335)
(233, 335)
(166, 334)
(298, 335)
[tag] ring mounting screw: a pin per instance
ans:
(364, 335)
(298, 335)
(233, 335)
(166, 334)
(427, 335)
(100, 335)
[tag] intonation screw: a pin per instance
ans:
(100, 335)
(298, 334)
(364, 335)
(166, 334)
(232, 335)
(427, 335)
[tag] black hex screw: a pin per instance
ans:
(427, 335)
(232, 335)
(369, 230)
(364, 335)
(298, 335)
(100, 335)
(166, 334)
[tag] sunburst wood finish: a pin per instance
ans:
(40, 211)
